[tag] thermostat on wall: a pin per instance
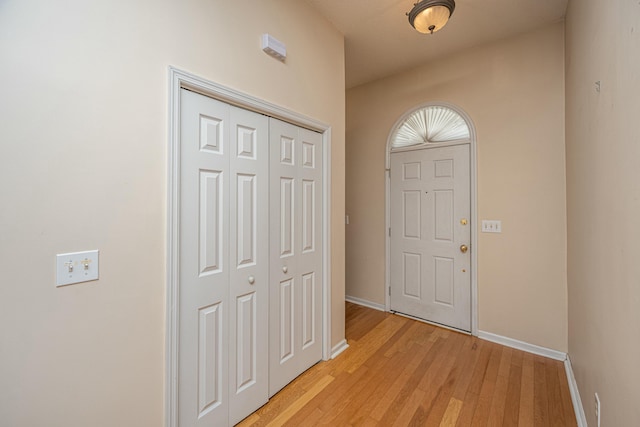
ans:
(274, 47)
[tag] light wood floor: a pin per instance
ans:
(400, 372)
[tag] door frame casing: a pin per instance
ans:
(178, 80)
(474, 202)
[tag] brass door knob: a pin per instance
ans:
(464, 249)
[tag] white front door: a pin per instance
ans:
(296, 252)
(430, 235)
(223, 292)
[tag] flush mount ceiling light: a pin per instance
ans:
(428, 16)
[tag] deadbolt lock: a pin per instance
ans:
(463, 221)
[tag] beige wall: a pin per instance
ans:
(603, 204)
(513, 91)
(83, 125)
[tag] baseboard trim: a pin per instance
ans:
(364, 303)
(524, 346)
(581, 418)
(339, 348)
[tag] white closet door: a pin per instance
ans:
(223, 262)
(204, 273)
(296, 252)
(249, 257)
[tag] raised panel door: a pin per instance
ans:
(224, 273)
(203, 396)
(430, 196)
(296, 252)
(249, 262)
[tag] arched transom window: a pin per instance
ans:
(430, 125)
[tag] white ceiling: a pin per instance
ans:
(379, 41)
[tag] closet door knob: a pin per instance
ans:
(252, 280)
(285, 269)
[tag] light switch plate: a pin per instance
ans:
(491, 226)
(76, 267)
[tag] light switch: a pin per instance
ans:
(491, 226)
(76, 267)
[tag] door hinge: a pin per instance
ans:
(389, 290)
(389, 231)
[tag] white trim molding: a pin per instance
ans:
(364, 303)
(524, 346)
(581, 418)
(339, 348)
(178, 80)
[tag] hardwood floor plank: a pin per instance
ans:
(339, 401)
(512, 401)
(371, 390)
(475, 386)
(556, 412)
(540, 398)
(371, 342)
(496, 412)
(328, 396)
(410, 407)
(415, 334)
(301, 402)
(398, 342)
(388, 403)
(470, 398)
(399, 363)
(277, 404)
(565, 397)
(314, 418)
(468, 369)
(525, 415)
(361, 320)
(401, 372)
(438, 394)
(431, 366)
(450, 417)
(481, 414)
(368, 422)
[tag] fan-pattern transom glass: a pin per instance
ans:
(430, 125)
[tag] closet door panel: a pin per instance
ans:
(249, 271)
(224, 251)
(203, 397)
(309, 258)
(296, 255)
